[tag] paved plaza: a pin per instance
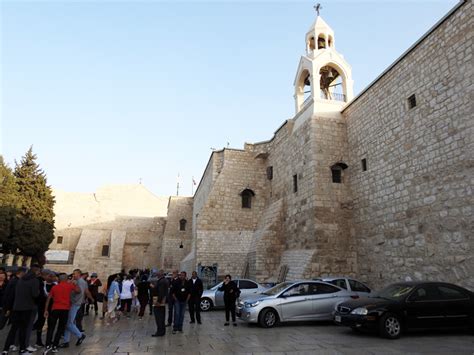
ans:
(132, 336)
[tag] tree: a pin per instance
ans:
(8, 206)
(33, 227)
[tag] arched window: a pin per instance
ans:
(331, 84)
(330, 41)
(321, 42)
(247, 195)
(182, 225)
(336, 171)
(312, 45)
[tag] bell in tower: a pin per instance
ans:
(323, 64)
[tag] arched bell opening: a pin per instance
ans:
(321, 41)
(303, 89)
(312, 44)
(332, 84)
(330, 41)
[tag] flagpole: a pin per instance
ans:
(192, 186)
(177, 186)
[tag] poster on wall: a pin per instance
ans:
(57, 256)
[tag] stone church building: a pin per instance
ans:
(377, 186)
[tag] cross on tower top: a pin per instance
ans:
(318, 7)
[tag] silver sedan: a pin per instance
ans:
(293, 301)
(213, 298)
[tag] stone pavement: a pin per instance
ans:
(133, 337)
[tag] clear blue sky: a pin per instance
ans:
(111, 92)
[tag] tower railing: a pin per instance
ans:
(333, 96)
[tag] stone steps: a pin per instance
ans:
(297, 261)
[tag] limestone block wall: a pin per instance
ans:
(413, 210)
(316, 217)
(223, 229)
(143, 241)
(179, 208)
(132, 217)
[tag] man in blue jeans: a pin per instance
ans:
(76, 302)
(181, 295)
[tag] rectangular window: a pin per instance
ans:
(364, 164)
(412, 101)
(270, 172)
(105, 250)
(59, 240)
(336, 176)
(295, 183)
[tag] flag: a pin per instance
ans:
(194, 181)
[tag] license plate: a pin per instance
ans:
(337, 319)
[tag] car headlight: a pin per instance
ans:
(360, 311)
(252, 304)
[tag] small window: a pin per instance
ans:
(59, 240)
(364, 164)
(182, 225)
(270, 172)
(336, 176)
(412, 101)
(358, 287)
(339, 283)
(247, 195)
(247, 284)
(105, 250)
(336, 171)
(295, 183)
(450, 293)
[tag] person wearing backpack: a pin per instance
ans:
(231, 293)
(126, 295)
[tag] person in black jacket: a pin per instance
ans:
(143, 295)
(195, 289)
(159, 291)
(174, 279)
(181, 296)
(231, 293)
(26, 291)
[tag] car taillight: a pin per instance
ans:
(355, 296)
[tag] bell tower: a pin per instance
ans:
(323, 79)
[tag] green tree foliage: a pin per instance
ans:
(8, 205)
(33, 226)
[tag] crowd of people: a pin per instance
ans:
(31, 298)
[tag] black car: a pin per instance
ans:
(407, 305)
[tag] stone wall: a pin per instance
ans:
(408, 215)
(179, 208)
(413, 207)
(129, 219)
(223, 229)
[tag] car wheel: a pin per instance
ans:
(268, 318)
(390, 326)
(206, 304)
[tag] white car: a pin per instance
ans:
(213, 298)
(348, 284)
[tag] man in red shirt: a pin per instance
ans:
(61, 296)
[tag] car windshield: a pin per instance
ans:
(277, 289)
(394, 292)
